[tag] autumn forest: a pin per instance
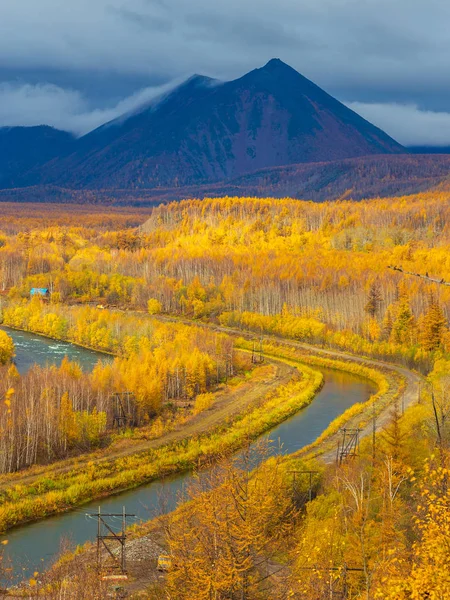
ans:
(217, 320)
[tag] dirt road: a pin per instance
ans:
(411, 394)
(228, 404)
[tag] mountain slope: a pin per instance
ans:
(355, 178)
(25, 148)
(207, 131)
(352, 178)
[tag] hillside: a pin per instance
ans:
(356, 179)
(25, 148)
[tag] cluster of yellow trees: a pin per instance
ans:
(6, 348)
(53, 490)
(49, 413)
(52, 412)
(386, 515)
(399, 336)
(320, 269)
(155, 361)
(377, 526)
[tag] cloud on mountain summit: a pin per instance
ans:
(48, 104)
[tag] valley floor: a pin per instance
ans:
(144, 548)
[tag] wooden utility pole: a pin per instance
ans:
(114, 563)
(348, 446)
(438, 428)
(257, 351)
(124, 410)
(310, 486)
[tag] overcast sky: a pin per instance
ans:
(75, 64)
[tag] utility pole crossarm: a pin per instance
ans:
(310, 487)
(349, 446)
(107, 539)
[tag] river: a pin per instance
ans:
(34, 546)
(36, 349)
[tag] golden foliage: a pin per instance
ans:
(6, 348)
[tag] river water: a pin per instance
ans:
(35, 349)
(34, 546)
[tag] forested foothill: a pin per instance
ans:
(314, 272)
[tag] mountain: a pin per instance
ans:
(208, 131)
(25, 148)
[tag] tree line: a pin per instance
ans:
(50, 413)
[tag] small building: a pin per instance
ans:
(43, 293)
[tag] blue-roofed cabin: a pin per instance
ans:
(40, 293)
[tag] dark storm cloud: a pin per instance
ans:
(75, 62)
